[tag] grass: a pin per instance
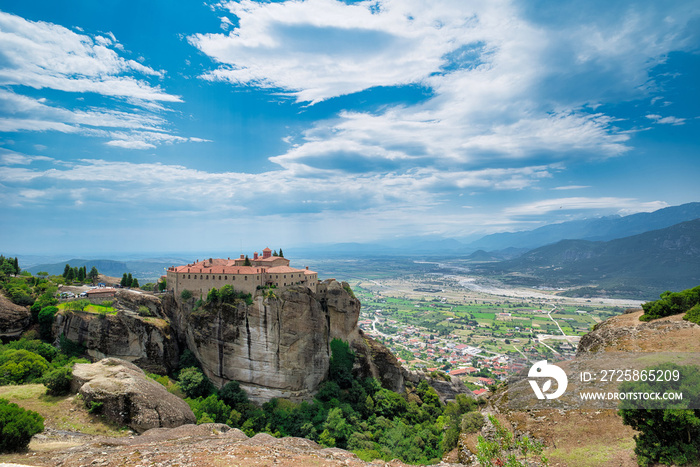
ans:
(94, 309)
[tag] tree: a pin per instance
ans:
(185, 294)
(82, 274)
(124, 281)
(66, 271)
(247, 261)
(70, 275)
(340, 368)
(93, 275)
(162, 285)
(274, 253)
(281, 254)
(669, 431)
(194, 384)
(134, 282)
(45, 319)
(129, 280)
(15, 263)
(17, 426)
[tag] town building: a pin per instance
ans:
(263, 270)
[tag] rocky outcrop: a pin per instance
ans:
(447, 388)
(279, 346)
(626, 333)
(128, 396)
(147, 342)
(376, 361)
(14, 319)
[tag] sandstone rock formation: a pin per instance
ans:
(626, 333)
(147, 342)
(280, 345)
(14, 319)
(128, 396)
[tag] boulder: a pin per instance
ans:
(128, 396)
(14, 319)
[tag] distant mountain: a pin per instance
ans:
(642, 265)
(605, 228)
(148, 269)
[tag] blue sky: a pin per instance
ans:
(133, 126)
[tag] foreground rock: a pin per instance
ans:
(625, 333)
(128, 396)
(14, 319)
(194, 445)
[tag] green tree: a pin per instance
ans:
(194, 384)
(281, 254)
(185, 294)
(21, 366)
(341, 362)
(17, 426)
(134, 283)
(213, 296)
(233, 395)
(93, 275)
(70, 275)
(669, 431)
(162, 285)
(124, 281)
(129, 280)
(247, 261)
(66, 271)
(45, 318)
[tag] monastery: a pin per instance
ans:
(266, 270)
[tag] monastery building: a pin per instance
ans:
(266, 270)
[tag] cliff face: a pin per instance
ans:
(280, 345)
(149, 343)
(14, 319)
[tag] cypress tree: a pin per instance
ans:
(247, 261)
(66, 271)
(129, 280)
(281, 254)
(15, 263)
(123, 281)
(134, 282)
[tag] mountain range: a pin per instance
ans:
(642, 265)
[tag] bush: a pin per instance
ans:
(47, 351)
(17, 426)
(194, 384)
(57, 381)
(144, 311)
(45, 319)
(693, 315)
(21, 366)
(671, 303)
(185, 294)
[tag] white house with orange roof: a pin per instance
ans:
(200, 277)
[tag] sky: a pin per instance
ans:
(185, 126)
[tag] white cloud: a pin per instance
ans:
(46, 55)
(666, 120)
(628, 205)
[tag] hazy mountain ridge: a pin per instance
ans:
(602, 229)
(649, 263)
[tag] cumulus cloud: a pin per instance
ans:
(506, 83)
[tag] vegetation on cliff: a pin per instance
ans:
(673, 303)
(17, 426)
(350, 413)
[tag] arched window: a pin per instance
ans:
(207, 276)
(225, 278)
(195, 276)
(188, 276)
(219, 277)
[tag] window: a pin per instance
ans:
(219, 277)
(195, 276)
(225, 278)
(207, 276)
(245, 277)
(188, 276)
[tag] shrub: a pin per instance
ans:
(185, 294)
(194, 384)
(21, 366)
(693, 315)
(95, 407)
(17, 426)
(45, 318)
(144, 311)
(57, 381)
(47, 351)
(671, 303)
